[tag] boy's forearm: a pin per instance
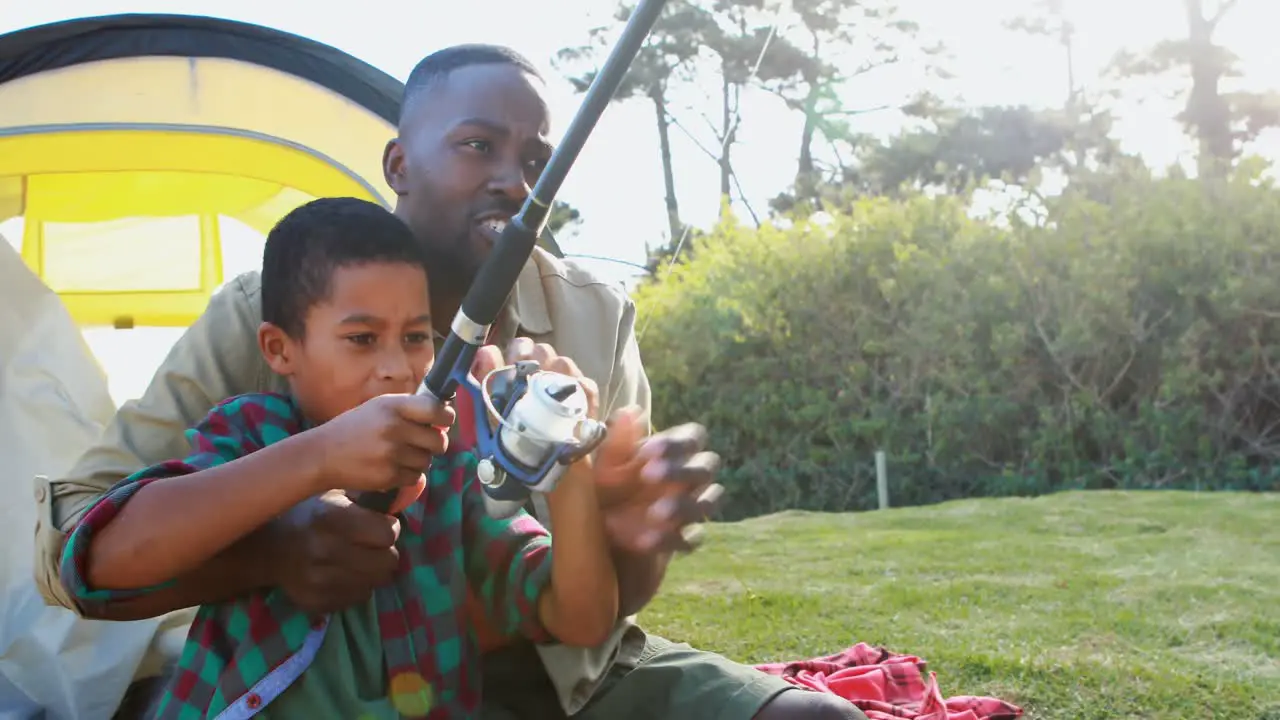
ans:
(580, 607)
(240, 569)
(173, 526)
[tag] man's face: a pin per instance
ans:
(470, 148)
(370, 337)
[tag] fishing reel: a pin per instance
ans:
(530, 425)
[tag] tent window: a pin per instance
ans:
(12, 230)
(126, 255)
(241, 247)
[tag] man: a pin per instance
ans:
(472, 141)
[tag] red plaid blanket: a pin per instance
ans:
(886, 686)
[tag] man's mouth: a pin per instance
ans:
(491, 227)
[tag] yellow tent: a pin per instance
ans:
(127, 141)
(130, 146)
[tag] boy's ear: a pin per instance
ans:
(277, 348)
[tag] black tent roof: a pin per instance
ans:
(61, 44)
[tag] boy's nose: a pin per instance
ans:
(395, 368)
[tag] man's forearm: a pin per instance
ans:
(241, 568)
(639, 577)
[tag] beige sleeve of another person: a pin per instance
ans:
(216, 358)
(629, 385)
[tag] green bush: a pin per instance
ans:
(1127, 339)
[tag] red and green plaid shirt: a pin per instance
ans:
(241, 655)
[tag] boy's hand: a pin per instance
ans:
(384, 444)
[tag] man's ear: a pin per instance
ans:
(393, 167)
(277, 348)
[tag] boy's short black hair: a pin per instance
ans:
(305, 248)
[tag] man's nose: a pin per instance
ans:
(509, 180)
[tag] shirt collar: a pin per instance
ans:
(528, 303)
(525, 310)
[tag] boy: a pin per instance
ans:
(346, 323)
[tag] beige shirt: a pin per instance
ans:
(555, 302)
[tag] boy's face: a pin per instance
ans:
(371, 337)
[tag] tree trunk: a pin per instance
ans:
(726, 120)
(1074, 106)
(1068, 45)
(1207, 110)
(806, 180)
(659, 99)
(806, 175)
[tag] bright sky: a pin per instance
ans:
(617, 183)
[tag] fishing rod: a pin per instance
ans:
(542, 423)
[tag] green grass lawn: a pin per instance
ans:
(1079, 605)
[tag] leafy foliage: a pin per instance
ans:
(1130, 339)
(564, 218)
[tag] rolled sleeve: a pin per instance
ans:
(508, 564)
(226, 433)
(74, 565)
(216, 358)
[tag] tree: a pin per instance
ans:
(1221, 122)
(1049, 19)
(564, 219)
(671, 44)
(844, 40)
(951, 151)
(742, 46)
(964, 148)
(1089, 144)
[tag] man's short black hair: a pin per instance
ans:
(440, 63)
(311, 242)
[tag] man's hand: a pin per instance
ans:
(383, 444)
(654, 490)
(490, 358)
(329, 554)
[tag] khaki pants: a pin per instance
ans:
(670, 681)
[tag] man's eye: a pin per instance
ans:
(417, 338)
(483, 146)
(363, 339)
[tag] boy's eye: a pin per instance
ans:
(417, 338)
(479, 145)
(362, 339)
